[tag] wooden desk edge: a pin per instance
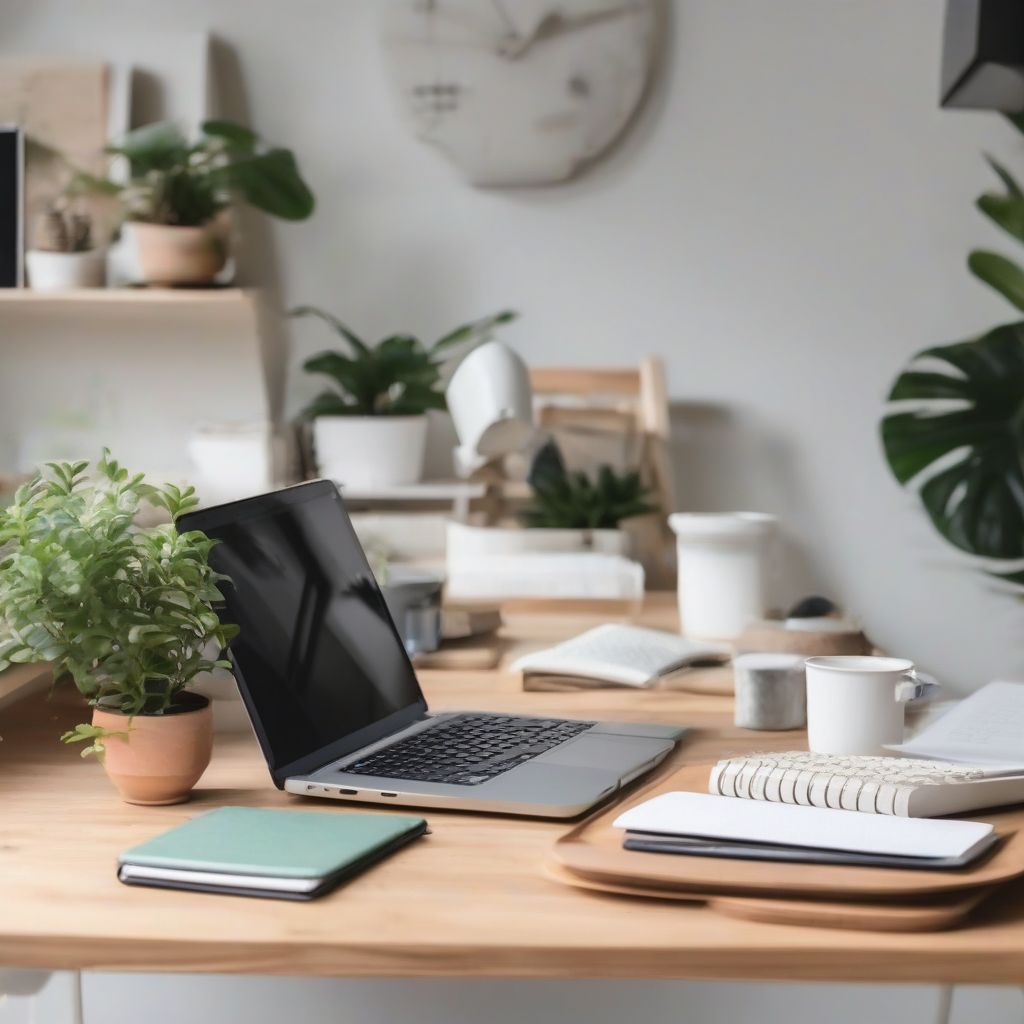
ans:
(779, 964)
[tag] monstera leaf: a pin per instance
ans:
(959, 440)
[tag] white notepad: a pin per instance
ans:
(721, 817)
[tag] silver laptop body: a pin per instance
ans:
(332, 695)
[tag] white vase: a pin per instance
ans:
(361, 452)
(63, 271)
(723, 571)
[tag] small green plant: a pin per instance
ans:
(576, 501)
(126, 612)
(176, 182)
(94, 735)
(399, 376)
(62, 228)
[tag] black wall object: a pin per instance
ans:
(983, 55)
(12, 173)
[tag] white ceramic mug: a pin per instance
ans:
(855, 705)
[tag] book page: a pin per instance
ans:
(985, 728)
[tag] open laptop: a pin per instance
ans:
(333, 697)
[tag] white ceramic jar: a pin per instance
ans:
(723, 570)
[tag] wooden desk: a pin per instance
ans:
(468, 900)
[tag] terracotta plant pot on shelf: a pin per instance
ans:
(173, 255)
(162, 756)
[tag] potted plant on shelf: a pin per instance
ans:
(64, 255)
(569, 511)
(178, 193)
(955, 430)
(370, 428)
(126, 612)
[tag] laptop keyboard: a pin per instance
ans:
(468, 749)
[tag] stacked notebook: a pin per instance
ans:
(248, 851)
(701, 825)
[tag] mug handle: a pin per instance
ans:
(913, 686)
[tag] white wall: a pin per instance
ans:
(786, 224)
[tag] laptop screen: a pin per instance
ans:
(317, 656)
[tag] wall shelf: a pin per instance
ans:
(181, 297)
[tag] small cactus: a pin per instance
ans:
(64, 230)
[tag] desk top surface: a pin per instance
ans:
(469, 900)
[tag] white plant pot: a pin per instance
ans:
(468, 543)
(63, 271)
(723, 571)
(362, 452)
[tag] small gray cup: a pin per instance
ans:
(414, 600)
(770, 691)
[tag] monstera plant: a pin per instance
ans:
(955, 431)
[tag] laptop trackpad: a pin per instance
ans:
(594, 750)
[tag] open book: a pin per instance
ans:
(616, 655)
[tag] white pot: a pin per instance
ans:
(62, 271)
(370, 451)
(231, 460)
(468, 543)
(723, 571)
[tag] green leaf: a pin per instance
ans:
(153, 147)
(971, 417)
(1005, 177)
(1000, 273)
(1006, 212)
(236, 136)
(474, 330)
(271, 182)
(359, 346)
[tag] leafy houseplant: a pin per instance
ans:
(956, 431)
(370, 427)
(64, 255)
(178, 190)
(126, 612)
(577, 501)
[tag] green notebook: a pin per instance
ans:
(249, 851)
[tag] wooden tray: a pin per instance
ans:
(939, 912)
(593, 851)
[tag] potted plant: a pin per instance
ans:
(126, 612)
(178, 193)
(370, 428)
(569, 511)
(64, 255)
(955, 431)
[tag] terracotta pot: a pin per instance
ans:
(163, 756)
(168, 254)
